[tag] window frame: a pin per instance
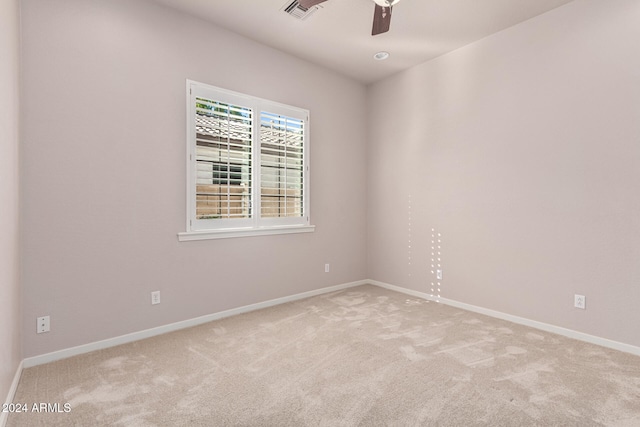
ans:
(255, 225)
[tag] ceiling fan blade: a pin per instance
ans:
(381, 20)
(309, 3)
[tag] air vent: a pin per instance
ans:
(294, 9)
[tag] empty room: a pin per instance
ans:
(323, 213)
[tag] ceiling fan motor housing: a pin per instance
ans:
(386, 3)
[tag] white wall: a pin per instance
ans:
(104, 172)
(10, 353)
(523, 151)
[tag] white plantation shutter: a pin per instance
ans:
(223, 160)
(281, 166)
(247, 164)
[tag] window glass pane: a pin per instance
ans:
(281, 166)
(223, 160)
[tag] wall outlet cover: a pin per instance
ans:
(43, 324)
(155, 297)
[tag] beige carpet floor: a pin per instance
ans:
(365, 356)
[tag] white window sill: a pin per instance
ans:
(243, 232)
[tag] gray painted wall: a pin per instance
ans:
(104, 172)
(10, 354)
(522, 150)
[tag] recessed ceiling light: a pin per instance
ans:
(381, 56)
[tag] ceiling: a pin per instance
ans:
(338, 34)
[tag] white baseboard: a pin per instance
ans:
(135, 336)
(615, 345)
(12, 392)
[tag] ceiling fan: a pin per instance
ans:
(381, 14)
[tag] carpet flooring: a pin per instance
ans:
(364, 356)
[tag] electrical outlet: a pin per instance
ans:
(326, 268)
(439, 274)
(155, 297)
(43, 325)
(580, 301)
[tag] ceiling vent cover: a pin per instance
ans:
(294, 9)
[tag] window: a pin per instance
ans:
(247, 168)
